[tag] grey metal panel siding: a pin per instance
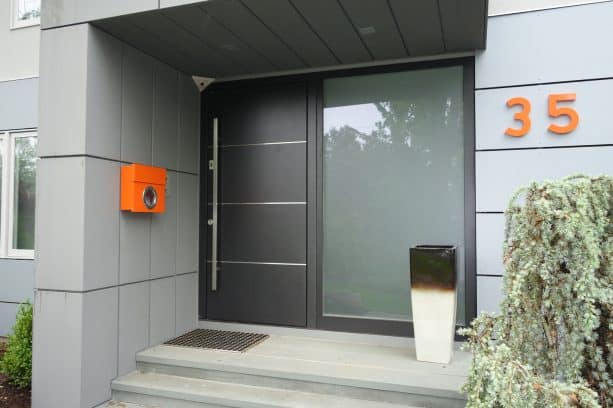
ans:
(592, 104)
(268, 173)
(16, 280)
(19, 104)
(489, 293)
(263, 233)
(500, 173)
(490, 237)
(564, 44)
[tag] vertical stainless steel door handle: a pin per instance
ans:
(213, 166)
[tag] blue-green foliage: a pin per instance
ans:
(552, 346)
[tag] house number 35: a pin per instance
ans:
(555, 111)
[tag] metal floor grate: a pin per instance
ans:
(218, 340)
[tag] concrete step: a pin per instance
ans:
(356, 371)
(161, 390)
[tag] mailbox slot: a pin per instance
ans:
(143, 188)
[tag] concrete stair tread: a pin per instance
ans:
(230, 394)
(388, 370)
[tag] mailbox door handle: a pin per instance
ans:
(214, 168)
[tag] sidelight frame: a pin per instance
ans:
(315, 318)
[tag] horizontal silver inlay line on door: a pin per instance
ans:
(267, 203)
(262, 144)
(260, 263)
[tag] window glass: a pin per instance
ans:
(24, 183)
(26, 11)
(393, 177)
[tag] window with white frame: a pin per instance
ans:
(17, 193)
(25, 13)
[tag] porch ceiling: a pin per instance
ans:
(224, 38)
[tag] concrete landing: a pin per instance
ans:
(292, 371)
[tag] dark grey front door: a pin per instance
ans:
(258, 273)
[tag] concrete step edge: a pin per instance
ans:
(231, 395)
(417, 388)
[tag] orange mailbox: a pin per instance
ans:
(142, 188)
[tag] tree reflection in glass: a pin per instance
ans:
(24, 193)
(393, 178)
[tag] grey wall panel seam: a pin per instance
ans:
(487, 88)
(16, 130)
(544, 147)
(113, 286)
(6, 258)
(91, 156)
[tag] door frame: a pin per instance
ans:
(314, 107)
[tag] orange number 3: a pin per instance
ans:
(522, 116)
(555, 111)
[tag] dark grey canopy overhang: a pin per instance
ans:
(228, 38)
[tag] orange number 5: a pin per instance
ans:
(555, 111)
(522, 116)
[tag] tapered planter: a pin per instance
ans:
(433, 300)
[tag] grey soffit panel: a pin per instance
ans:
(261, 115)
(281, 17)
(175, 35)
(248, 27)
(214, 35)
(329, 21)
(420, 25)
(375, 22)
(252, 293)
(226, 38)
(263, 233)
(267, 173)
(463, 24)
(122, 28)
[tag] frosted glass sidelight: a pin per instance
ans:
(393, 178)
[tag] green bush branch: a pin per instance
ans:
(16, 363)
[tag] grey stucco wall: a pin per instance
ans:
(530, 55)
(109, 283)
(19, 48)
(18, 110)
(19, 104)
